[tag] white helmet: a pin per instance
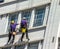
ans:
(24, 18)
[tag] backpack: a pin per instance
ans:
(23, 23)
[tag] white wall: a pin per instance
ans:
(3, 25)
(52, 26)
(3, 41)
(22, 5)
(37, 35)
(7, 9)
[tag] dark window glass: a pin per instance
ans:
(33, 45)
(59, 43)
(27, 15)
(14, 17)
(1, 1)
(20, 47)
(7, 48)
(39, 17)
(59, 2)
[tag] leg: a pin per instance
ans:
(22, 36)
(9, 36)
(27, 34)
(13, 38)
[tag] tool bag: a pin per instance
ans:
(14, 33)
(23, 30)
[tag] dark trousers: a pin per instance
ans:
(11, 35)
(24, 34)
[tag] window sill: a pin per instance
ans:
(22, 43)
(30, 30)
(37, 27)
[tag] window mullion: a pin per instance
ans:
(46, 14)
(7, 24)
(19, 19)
(32, 18)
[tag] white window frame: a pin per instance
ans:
(35, 42)
(30, 17)
(45, 17)
(8, 21)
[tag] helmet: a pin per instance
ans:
(24, 18)
(12, 21)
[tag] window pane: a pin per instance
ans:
(39, 17)
(20, 47)
(33, 45)
(59, 2)
(27, 15)
(1, 1)
(13, 17)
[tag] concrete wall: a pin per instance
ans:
(3, 25)
(34, 36)
(22, 5)
(51, 35)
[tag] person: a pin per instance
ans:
(12, 31)
(24, 28)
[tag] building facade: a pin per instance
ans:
(43, 23)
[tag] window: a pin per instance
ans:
(14, 17)
(59, 2)
(20, 47)
(1, 1)
(39, 17)
(33, 45)
(27, 15)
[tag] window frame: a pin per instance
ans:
(35, 14)
(45, 16)
(1, 1)
(30, 10)
(17, 14)
(23, 45)
(33, 44)
(35, 20)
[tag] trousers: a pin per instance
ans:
(24, 34)
(9, 37)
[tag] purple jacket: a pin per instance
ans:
(13, 26)
(23, 23)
